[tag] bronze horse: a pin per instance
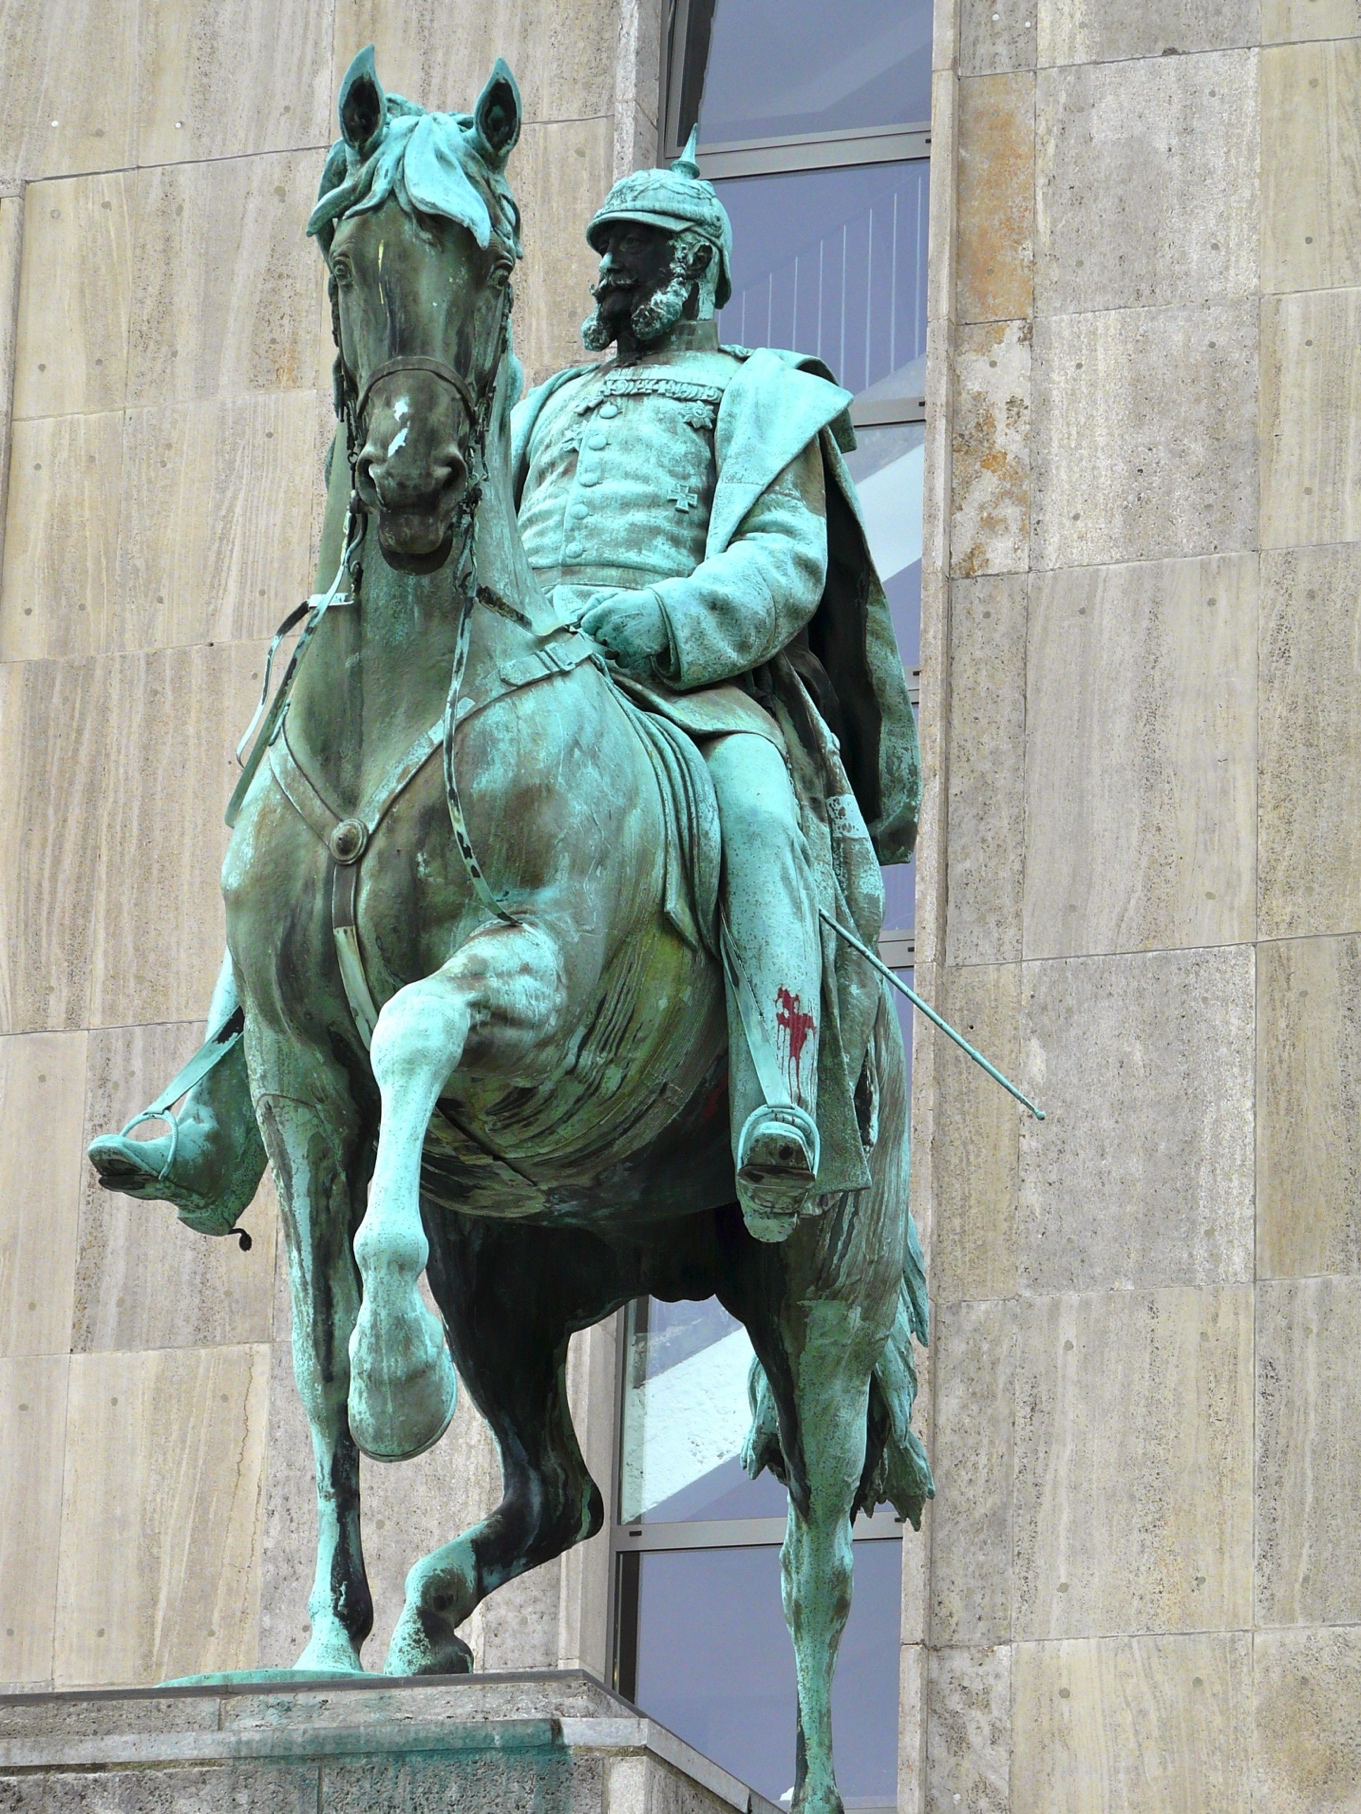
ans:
(484, 1022)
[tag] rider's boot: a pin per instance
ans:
(210, 1164)
(773, 959)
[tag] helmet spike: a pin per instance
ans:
(687, 164)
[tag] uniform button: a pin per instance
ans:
(597, 438)
(589, 475)
(578, 512)
(609, 409)
(573, 551)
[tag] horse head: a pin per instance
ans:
(420, 234)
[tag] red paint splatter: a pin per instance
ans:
(796, 1026)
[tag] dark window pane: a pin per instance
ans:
(715, 1665)
(685, 1417)
(783, 68)
(833, 263)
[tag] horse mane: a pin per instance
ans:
(431, 164)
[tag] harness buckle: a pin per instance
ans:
(347, 842)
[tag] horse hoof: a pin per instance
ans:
(416, 1651)
(403, 1388)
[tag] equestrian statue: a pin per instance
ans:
(553, 865)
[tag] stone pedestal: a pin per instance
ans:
(550, 1743)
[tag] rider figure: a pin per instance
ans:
(674, 502)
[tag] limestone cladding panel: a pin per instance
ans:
(1140, 763)
(288, 1519)
(68, 87)
(1311, 165)
(229, 291)
(41, 1161)
(974, 1461)
(1309, 739)
(1308, 1452)
(61, 537)
(977, 1136)
(52, 727)
(995, 36)
(159, 1563)
(1309, 1107)
(986, 766)
(32, 1430)
(1126, 1725)
(1293, 21)
(1146, 183)
(1144, 434)
(1133, 1443)
(912, 1702)
(996, 200)
(968, 1737)
(1142, 1175)
(75, 296)
(1090, 31)
(172, 719)
(991, 456)
(143, 1280)
(563, 55)
(1307, 1738)
(1311, 428)
(220, 81)
(560, 174)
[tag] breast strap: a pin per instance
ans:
(347, 839)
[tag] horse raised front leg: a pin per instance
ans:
(488, 1006)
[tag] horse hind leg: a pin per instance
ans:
(497, 1289)
(491, 1003)
(316, 1143)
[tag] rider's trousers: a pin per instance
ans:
(770, 907)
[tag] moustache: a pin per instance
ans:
(613, 286)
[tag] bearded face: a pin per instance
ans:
(649, 280)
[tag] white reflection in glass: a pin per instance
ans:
(686, 1414)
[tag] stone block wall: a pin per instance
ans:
(165, 359)
(1141, 892)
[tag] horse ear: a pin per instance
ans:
(496, 118)
(363, 105)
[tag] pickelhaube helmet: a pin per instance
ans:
(676, 199)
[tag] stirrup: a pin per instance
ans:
(776, 1187)
(786, 1114)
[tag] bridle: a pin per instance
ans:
(352, 400)
(479, 407)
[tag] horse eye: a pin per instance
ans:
(342, 271)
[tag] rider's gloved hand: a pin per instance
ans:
(629, 626)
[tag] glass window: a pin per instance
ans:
(833, 263)
(767, 69)
(714, 1665)
(686, 1414)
